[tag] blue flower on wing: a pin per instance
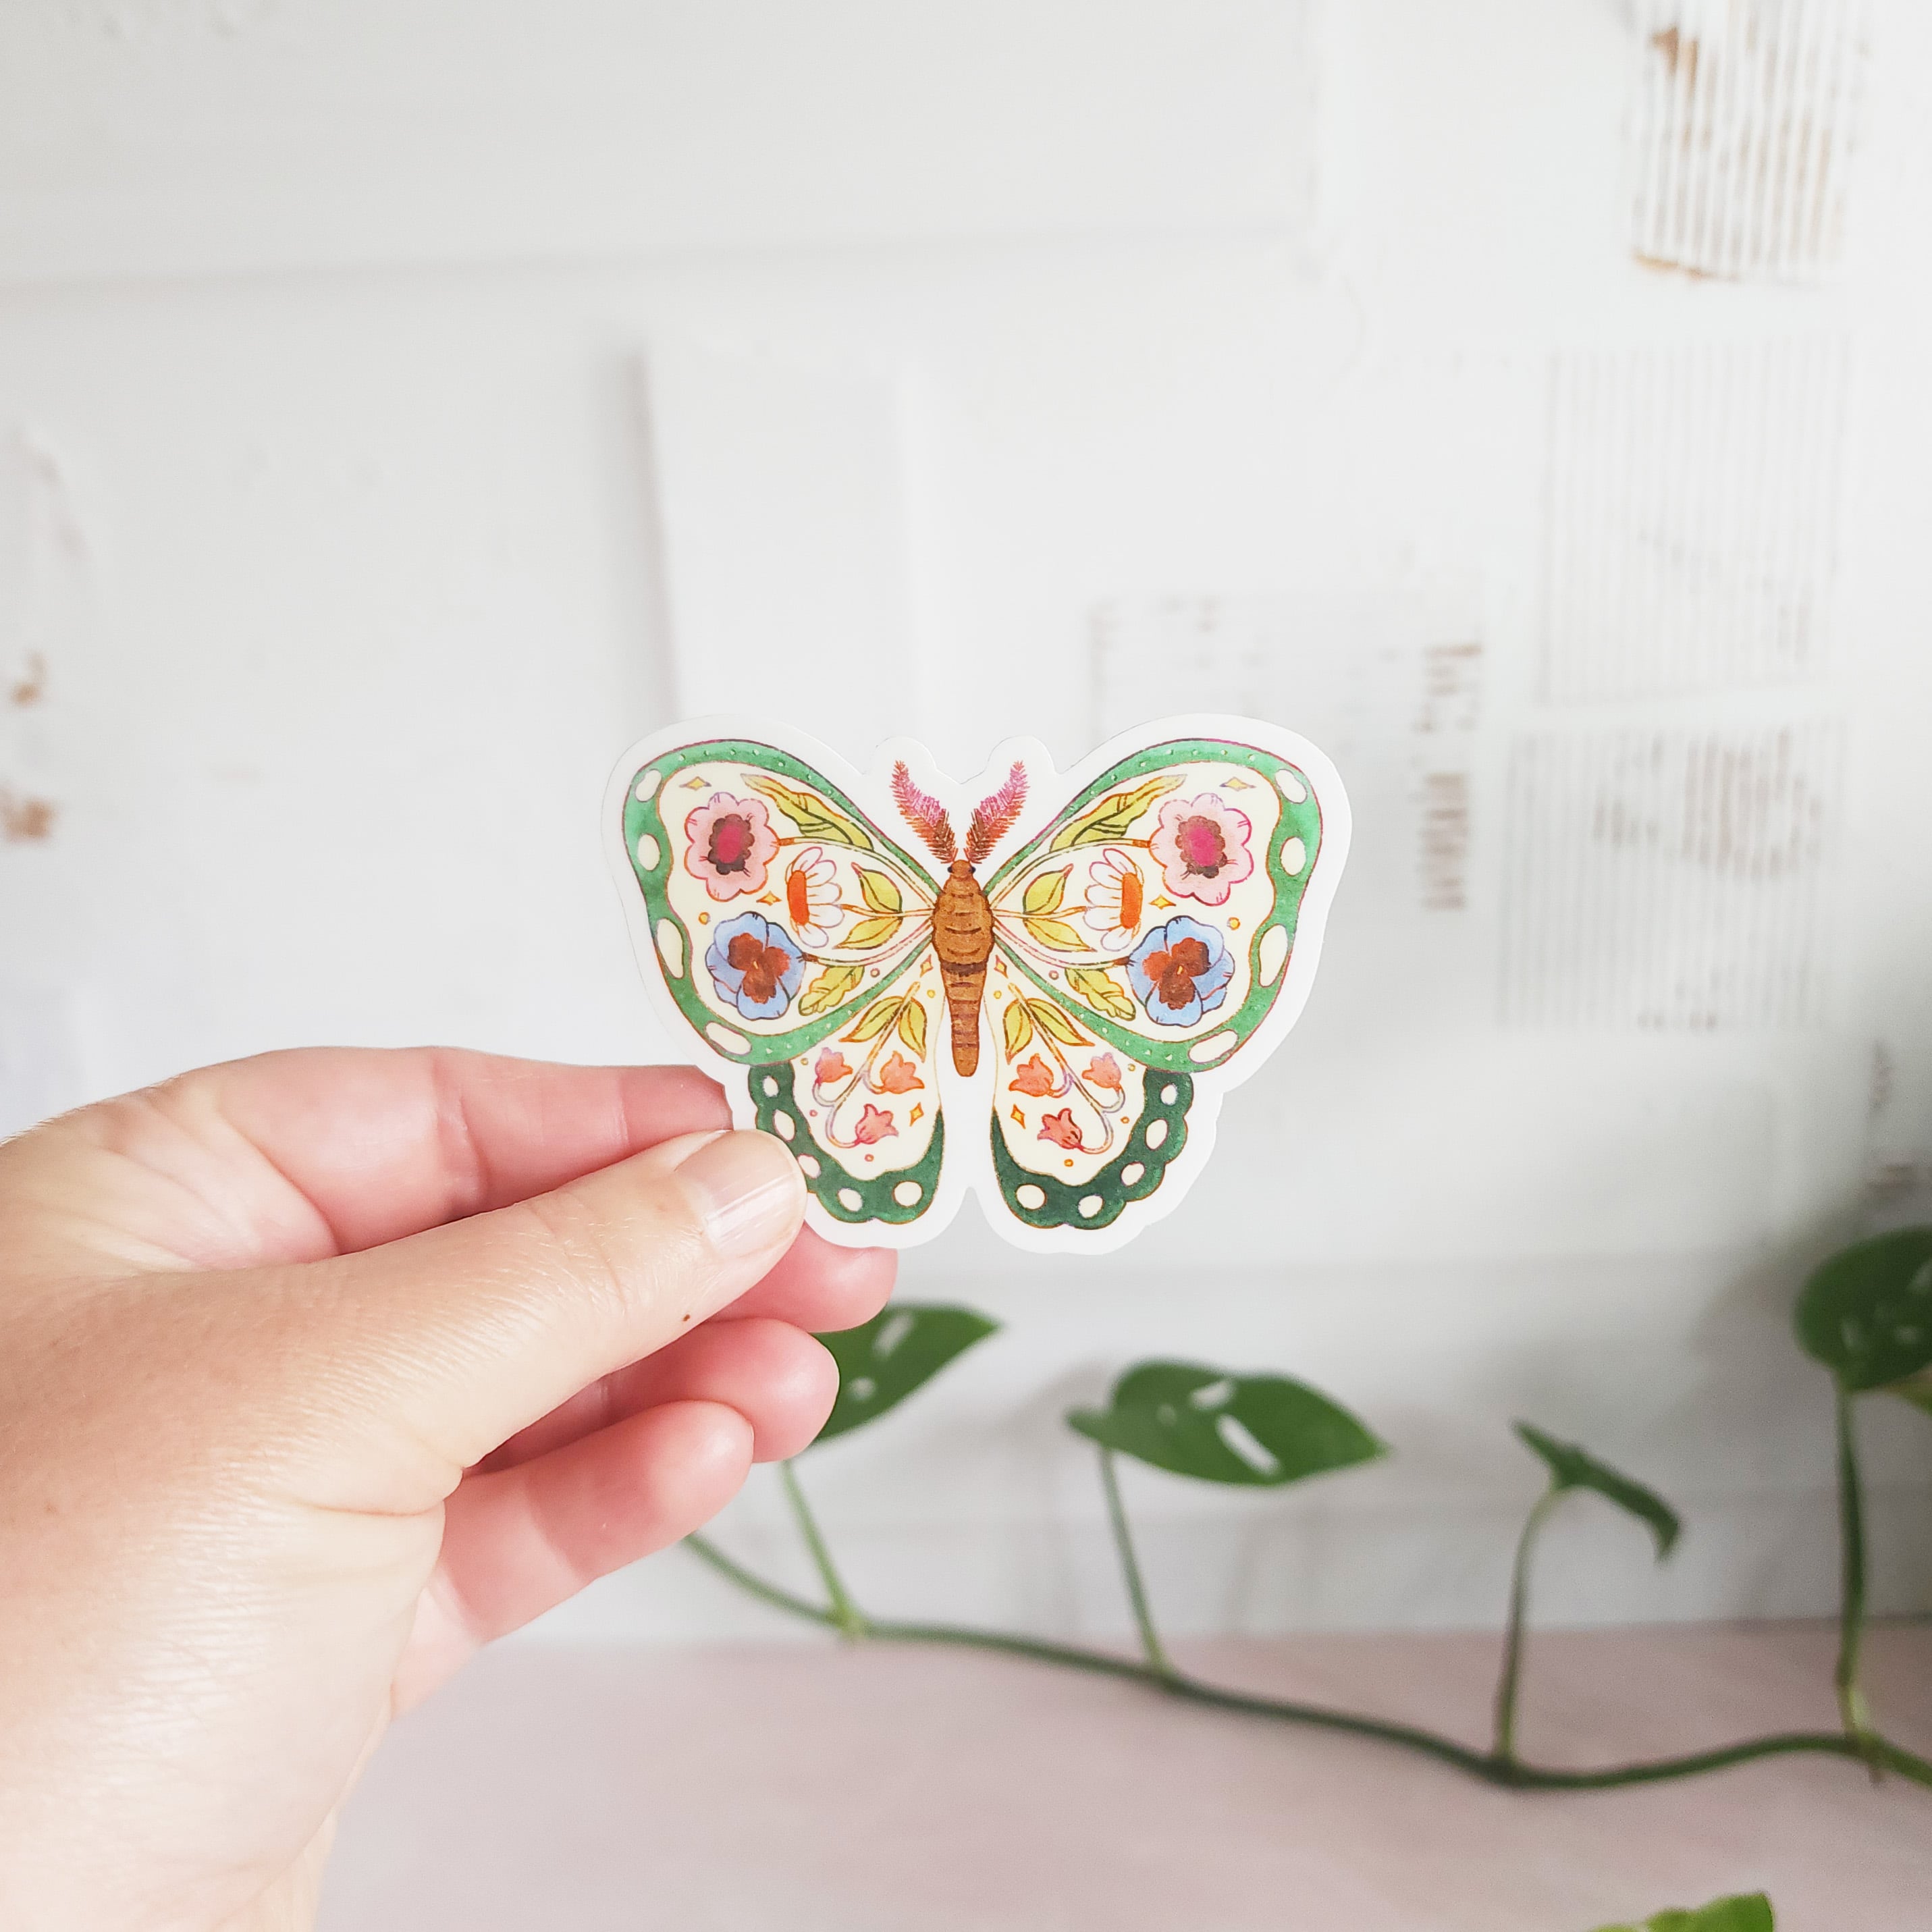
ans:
(756, 965)
(1180, 972)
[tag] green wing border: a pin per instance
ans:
(643, 817)
(774, 1096)
(1060, 1206)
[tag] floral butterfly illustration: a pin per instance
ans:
(1035, 987)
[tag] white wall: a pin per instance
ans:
(403, 407)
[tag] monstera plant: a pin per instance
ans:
(1866, 1316)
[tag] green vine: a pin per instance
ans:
(1862, 1314)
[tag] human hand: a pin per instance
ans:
(317, 1372)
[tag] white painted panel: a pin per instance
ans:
(1671, 879)
(781, 503)
(1696, 502)
(173, 135)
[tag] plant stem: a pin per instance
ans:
(846, 1615)
(1509, 1682)
(1852, 1707)
(730, 1568)
(1116, 1515)
(1868, 1749)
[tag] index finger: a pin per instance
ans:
(299, 1156)
(383, 1143)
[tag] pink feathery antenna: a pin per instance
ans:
(925, 814)
(993, 817)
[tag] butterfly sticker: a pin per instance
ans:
(1035, 987)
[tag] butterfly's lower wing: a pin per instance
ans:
(791, 936)
(1081, 1128)
(1154, 940)
(862, 1111)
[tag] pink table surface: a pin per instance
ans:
(812, 1788)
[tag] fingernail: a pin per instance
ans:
(749, 1190)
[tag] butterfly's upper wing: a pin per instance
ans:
(792, 936)
(1147, 948)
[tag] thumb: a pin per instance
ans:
(461, 1335)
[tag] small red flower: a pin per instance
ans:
(730, 845)
(1105, 1071)
(873, 1126)
(829, 1066)
(1032, 1076)
(1200, 845)
(1060, 1129)
(897, 1076)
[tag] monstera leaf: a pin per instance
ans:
(1747, 1912)
(1260, 1430)
(902, 1347)
(1866, 1312)
(1571, 1468)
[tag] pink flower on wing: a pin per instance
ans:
(873, 1126)
(1062, 1129)
(1201, 846)
(1104, 1071)
(730, 845)
(1033, 1076)
(897, 1075)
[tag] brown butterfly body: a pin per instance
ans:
(962, 936)
(962, 915)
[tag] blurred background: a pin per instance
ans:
(404, 405)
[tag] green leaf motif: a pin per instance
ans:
(912, 1026)
(812, 816)
(1258, 1431)
(1866, 1313)
(1045, 891)
(1056, 933)
(871, 932)
(879, 892)
(875, 1020)
(1017, 1028)
(1101, 991)
(828, 989)
(1114, 817)
(1746, 1913)
(1571, 1468)
(903, 1347)
(1055, 1024)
